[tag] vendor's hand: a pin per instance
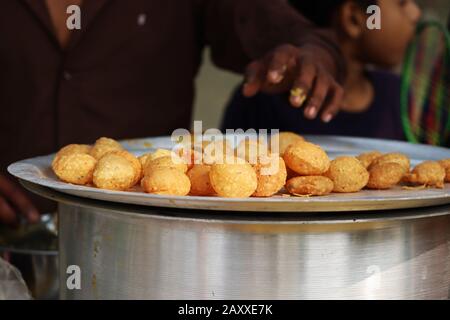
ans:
(14, 202)
(306, 72)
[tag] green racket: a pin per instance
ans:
(425, 90)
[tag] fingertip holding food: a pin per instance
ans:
(271, 174)
(306, 159)
(310, 186)
(298, 97)
(200, 181)
(103, 146)
(385, 175)
(428, 173)
(347, 174)
(76, 168)
(236, 179)
(166, 181)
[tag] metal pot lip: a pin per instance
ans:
(180, 214)
(32, 252)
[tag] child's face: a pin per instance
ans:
(386, 47)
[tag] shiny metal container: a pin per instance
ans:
(132, 252)
(33, 250)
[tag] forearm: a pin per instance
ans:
(239, 31)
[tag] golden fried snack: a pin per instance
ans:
(172, 161)
(428, 173)
(166, 181)
(347, 174)
(368, 158)
(446, 165)
(72, 149)
(76, 168)
(103, 146)
(143, 159)
(217, 151)
(236, 179)
(399, 158)
(271, 173)
(284, 140)
(115, 172)
(159, 153)
(250, 150)
(200, 182)
(310, 186)
(385, 175)
(134, 161)
(306, 159)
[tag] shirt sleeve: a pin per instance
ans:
(238, 31)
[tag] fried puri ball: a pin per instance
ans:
(428, 173)
(368, 158)
(200, 182)
(306, 159)
(271, 174)
(134, 161)
(284, 140)
(310, 186)
(347, 174)
(385, 175)
(115, 172)
(399, 158)
(251, 149)
(172, 161)
(166, 181)
(72, 149)
(217, 151)
(104, 145)
(143, 159)
(159, 153)
(446, 165)
(76, 168)
(234, 179)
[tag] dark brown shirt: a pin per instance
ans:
(129, 72)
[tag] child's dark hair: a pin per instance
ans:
(320, 12)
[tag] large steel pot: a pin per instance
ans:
(131, 252)
(33, 250)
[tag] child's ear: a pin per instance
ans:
(352, 19)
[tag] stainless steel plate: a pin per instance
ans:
(38, 171)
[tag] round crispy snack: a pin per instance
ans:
(385, 175)
(271, 173)
(306, 159)
(104, 145)
(284, 140)
(428, 173)
(166, 181)
(76, 168)
(234, 180)
(200, 182)
(347, 174)
(368, 158)
(114, 172)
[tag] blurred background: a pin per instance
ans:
(215, 85)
